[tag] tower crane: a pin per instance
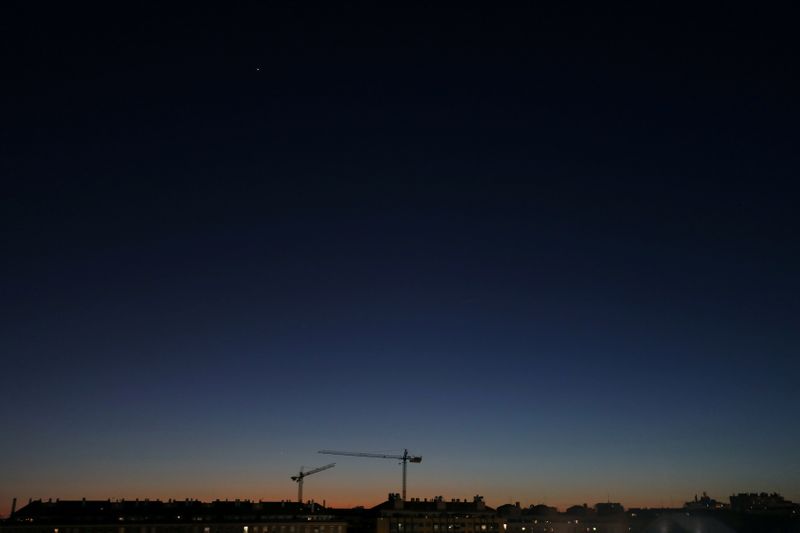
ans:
(302, 475)
(404, 459)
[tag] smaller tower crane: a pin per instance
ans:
(302, 475)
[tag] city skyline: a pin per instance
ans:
(741, 502)
(330, 492)
(745, 513)
(552, 250)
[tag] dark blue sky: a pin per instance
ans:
(554, 252)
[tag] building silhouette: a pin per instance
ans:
(748, 513)
(173, 516)
(436, 516)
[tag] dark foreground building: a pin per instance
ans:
(436, 516)
(188, 516)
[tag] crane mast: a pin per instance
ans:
(404, 459)
(302, 475)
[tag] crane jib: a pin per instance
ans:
(404, 460)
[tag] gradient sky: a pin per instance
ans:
(555, 253)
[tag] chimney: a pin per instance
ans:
(396, 500)
(479, 503)
(13, 506)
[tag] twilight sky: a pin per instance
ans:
(553, 252)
